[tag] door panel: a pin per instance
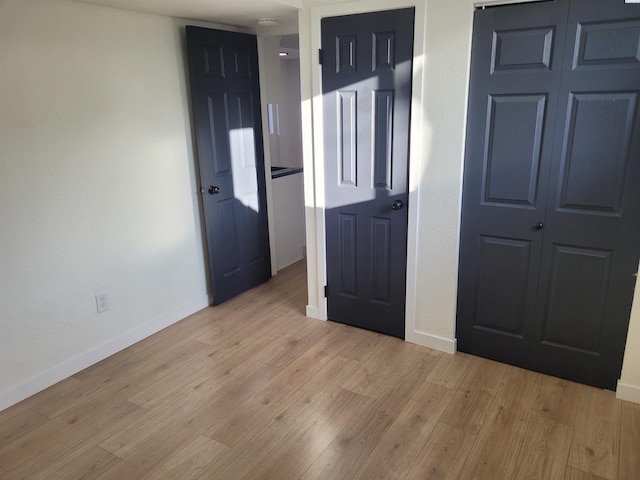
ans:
(513, 143)
(598, 133)
(366, 83)
(227, 223)
(348, 255)
(522, 49)
(516, 71)
(576, 298)
(226, 110)
(381, 236)
(383, 139)
(347, 140)
(502, 296)
(592, 220)
(607, 43)
(584, 221)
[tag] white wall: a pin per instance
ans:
(290, 119)
(281, 89)
(271, 78)
(97, 187)
(269, 65)
(629, 384)
(443, 48)
(288, 219)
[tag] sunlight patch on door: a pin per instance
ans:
(243, 163)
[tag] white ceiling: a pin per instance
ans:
(243, 13)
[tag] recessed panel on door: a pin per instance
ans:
(213, 60)
(348, 255)
(503, 279)
(606, 43)
(577, 298)
(526, 48)
(240, 63)
(345, 53)
(347, 137)
(384, 51)
(381, 260)
(513, 145)
(228, 224)
(598, 134)
(383, 139)
(219, 133)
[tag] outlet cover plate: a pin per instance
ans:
(102, 302)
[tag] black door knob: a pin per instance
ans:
(539, 226)
(397, 205)
(214, 190)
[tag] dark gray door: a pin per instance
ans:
(225, 97)
(550, 234)
(366, 84)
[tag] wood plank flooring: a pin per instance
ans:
(253, 389)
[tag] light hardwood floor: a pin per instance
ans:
(253, 389)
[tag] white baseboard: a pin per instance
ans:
(435, 342)
(289, 262)
(630, 393)
(96, 354)
(419, 338)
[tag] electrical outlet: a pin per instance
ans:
(102, 302)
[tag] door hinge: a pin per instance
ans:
(326, 291)
(320, 56)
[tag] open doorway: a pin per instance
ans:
(283, 133)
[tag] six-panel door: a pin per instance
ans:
(225, 96)
(366, 84)
(551, 206)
